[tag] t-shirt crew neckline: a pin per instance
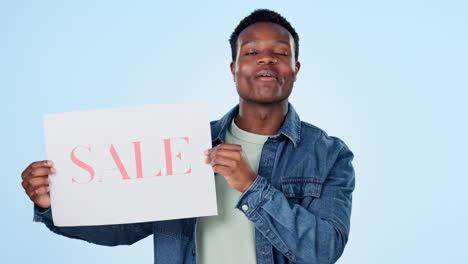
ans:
(247, 136)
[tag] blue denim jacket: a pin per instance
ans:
(300, 202)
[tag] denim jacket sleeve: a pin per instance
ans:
(308, 232)
(107, 235)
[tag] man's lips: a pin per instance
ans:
(266, 75)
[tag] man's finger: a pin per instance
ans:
(35, 165)
(230, 146)
(35, 194)
(226, 171)
(31, 183)
(223, 161)
(36, 189)
(223, 146)
(227, 153)
(37, 181)
(25, 184)
(43, 163)
(41, 172)
(41, 190)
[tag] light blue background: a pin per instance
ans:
(388, 77)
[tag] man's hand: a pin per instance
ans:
(36, 182)
(230, 161)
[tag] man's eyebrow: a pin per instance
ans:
(255, 41)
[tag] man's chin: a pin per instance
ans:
(265, 100)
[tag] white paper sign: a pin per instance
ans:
(128, 165)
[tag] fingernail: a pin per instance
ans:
(52, 170)
(206, 151)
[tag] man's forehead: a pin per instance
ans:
(253, 42)
(258, 31)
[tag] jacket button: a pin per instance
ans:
(245, 207)
(193, 252)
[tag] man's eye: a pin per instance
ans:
(281, 53)
(251, 53)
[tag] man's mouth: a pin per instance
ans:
(266, 75)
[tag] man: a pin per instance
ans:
(284, 186)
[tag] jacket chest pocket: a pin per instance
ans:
(297, 189)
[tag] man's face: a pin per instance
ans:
(265, 68)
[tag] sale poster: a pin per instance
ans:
(130, 164)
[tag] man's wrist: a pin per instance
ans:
(250, 183)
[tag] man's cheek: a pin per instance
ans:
(246, 68)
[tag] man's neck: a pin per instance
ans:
(262, 119)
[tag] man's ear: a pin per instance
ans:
(233, 70)
(297, 68)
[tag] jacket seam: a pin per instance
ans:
(282, 243)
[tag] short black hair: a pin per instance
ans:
(263, 15)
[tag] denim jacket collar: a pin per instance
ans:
(291, 127)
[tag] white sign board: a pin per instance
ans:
(129, 165)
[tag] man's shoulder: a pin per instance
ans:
(311, 134)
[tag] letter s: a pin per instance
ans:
(82, 165)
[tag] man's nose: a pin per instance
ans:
(267, 59)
